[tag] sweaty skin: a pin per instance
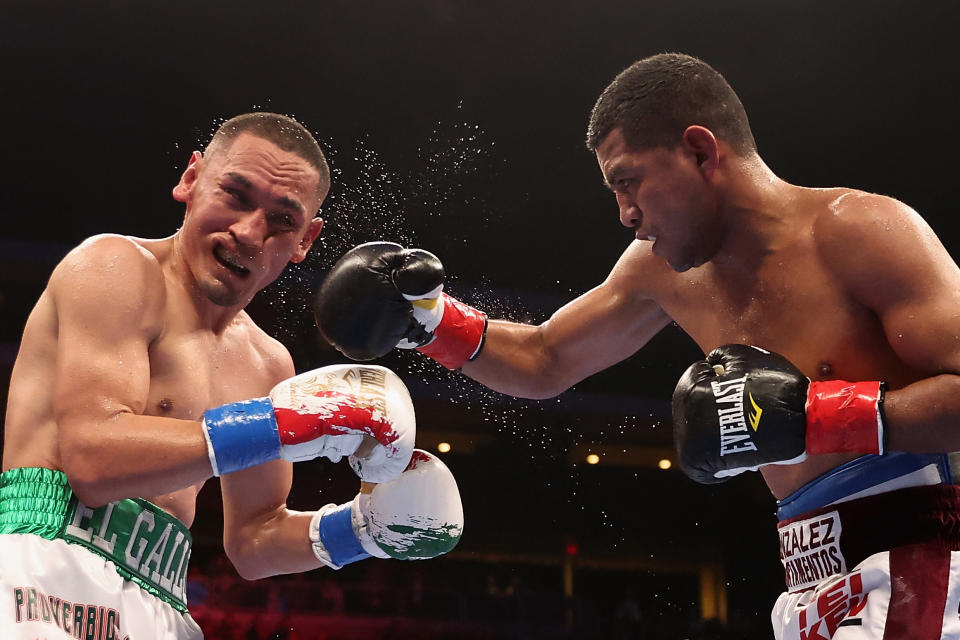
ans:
(845, 284)
(133, 340)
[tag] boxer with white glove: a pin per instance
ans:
(324, 412)
(745, 407)
(415, 516)
(379, 296)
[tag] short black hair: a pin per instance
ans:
(655, 99)
(281, 130)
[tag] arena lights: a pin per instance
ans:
(593, 458)
(443, 447)
(664, 464)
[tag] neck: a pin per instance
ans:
(207, 314)
(756, 211)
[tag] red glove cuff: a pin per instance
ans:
(845, 417)
(459, 336)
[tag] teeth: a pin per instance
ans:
(224, 257)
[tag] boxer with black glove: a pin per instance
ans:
(379, 296)
(745, 407)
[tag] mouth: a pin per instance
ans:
(230, 261)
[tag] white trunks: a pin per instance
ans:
(871, 551)
(67, 571)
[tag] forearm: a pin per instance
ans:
(273, 544)
(131, 455)
(516, 360)
(593, 332)
(924, 417)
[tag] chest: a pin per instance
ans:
(192, 372)
(789, 304)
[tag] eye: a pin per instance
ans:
(284, 220)
(235, 194)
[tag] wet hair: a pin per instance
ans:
(281, 130)
(654, 100)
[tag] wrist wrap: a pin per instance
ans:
(241, 434)
(845, 417)
(459, 336)
(337, 536)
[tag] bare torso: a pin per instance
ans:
(191, 369)
(788, 302)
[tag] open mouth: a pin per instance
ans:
(229, 261)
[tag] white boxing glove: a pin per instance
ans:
(324, 412)
(413, 517)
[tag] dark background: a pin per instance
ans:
(458, 126)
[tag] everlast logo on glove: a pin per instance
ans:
(719, 403)
(734, 435)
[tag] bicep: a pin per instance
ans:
(105, 320)
(902, 272)
(923, 323)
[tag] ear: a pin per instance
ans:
(701, 142)
(313, 230)
(181, 192)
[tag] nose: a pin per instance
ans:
(250, 230)
(630, 215)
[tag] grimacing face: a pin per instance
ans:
(250, 210)
(664, 197)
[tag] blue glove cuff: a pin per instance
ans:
(336, 534)
(243, 434)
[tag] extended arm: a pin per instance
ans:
(380, 295)
(595, 331)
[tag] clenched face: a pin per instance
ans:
(250, 210)
(665, 197)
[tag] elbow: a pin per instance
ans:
(88, 483)
(246, 555)
(244, 561)
(544, 391)
(92, 475)
(549, 381)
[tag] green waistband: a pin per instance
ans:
(147, 545)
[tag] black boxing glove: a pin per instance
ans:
(379, 296)
(744, 407)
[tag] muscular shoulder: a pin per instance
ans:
(107, 254)
(639, 272)
(853, 225)
(848, 213)
(869, 241)
(271, 355)
(110, 270)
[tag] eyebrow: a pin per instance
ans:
(610, 178)
(283, 201)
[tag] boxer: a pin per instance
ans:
(140, 376)
(844, 285)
